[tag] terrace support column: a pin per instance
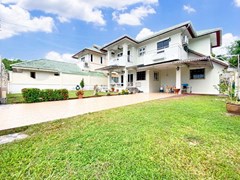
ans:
(108, 56)
(178, 79)
(125, 53)
(125, 79)
(109, 80)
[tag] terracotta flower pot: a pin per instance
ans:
(80, 96)
(233, 108)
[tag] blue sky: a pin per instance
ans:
(57, 29)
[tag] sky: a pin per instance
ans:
(57, 29)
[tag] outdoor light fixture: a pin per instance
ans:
(177, 68)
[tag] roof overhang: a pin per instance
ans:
(109, 68)
(127, 38)
(205, 61)
(77, 55)
(35, 69)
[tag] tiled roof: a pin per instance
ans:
(55, 66)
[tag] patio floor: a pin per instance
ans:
(18, 115)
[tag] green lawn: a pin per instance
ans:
(178, 138)
(17, 98)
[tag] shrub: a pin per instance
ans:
(31, 95)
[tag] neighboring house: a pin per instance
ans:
(49, 74)
(174, 58)
(91, 58)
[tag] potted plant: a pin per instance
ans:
(228, 88)
(80, 94)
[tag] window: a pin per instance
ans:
(83, 59)
(120, 54)
(33, 75)
(141, 75)
(197, 73)
(91, 58)
(101, 59)
(56, 74)
(155, 76)
(163, 44)
(141, 51)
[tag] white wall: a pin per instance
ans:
(199, 86)
(47, 80)
(201, 45)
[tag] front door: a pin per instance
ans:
(130, 79)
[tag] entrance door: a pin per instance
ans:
(130, 79)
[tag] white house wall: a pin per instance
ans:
(198, 86)
(175, 50)
(201, 45)
(47, 80)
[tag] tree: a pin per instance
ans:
(7, 63)
(234, 49)
(82, 83)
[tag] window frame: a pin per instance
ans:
(33, 74)
(142, 51)
(156, 78)
(164, 45)
(141, 76)
(91, 58)
(191, 77)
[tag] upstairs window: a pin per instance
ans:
(91, 58)
(142, 51)
(120, 54)
(101, 59)
(141, 75)
(163, 44)
(83, 59)
(33, 75)
(197, 74)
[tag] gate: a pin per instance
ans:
(3, 83)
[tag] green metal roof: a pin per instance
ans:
(55, 66)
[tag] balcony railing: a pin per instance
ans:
(121, 61)
(172, 52)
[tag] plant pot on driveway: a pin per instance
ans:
(233, 108)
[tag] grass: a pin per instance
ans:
(17, 98)
(184, 138)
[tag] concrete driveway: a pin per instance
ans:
(17, 115)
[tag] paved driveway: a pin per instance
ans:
(17, 115)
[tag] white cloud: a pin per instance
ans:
(188, 9)
(227, 39)
(66, 57)
(85, 10)
(134, 17)
(16, 20)
(145, 32)
(237, 3)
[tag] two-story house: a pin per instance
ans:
(177, 58)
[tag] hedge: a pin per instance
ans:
(31, 95)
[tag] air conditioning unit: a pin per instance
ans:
(86, 65)
(185, 40)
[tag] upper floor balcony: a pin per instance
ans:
(173, 52)
(121, 61)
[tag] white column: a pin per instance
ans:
(125, 50)
(109, 80)
(125, 79)
(108, 56)
(178, 78)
